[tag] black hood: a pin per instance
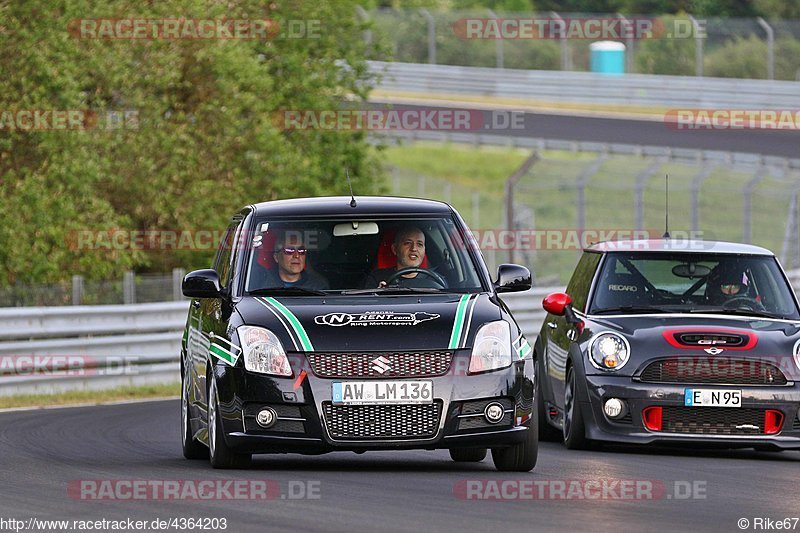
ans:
(371, 323)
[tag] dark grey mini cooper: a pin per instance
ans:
(658, 341)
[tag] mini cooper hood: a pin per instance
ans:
(758, 336)
(371, 323)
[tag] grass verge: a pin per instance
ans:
(91, 397)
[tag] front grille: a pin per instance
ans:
(711, 339)
(380, 364)
(360, 422)
(713, 420)
(719, 370)
(477, 407)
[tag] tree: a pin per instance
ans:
(199, 139)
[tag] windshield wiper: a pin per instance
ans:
(393, 290)
(286, 291)
(735, 311)
(628, 309)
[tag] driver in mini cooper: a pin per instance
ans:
(409, 248)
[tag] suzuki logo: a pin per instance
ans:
(713, 351)
(381, 365)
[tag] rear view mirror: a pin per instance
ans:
(355, 227)
(691, 270)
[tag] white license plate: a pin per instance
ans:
(382, 392)
(712, 398)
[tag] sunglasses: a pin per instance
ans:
(730, 286)
(291, 251)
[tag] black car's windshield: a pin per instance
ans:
(360, 256)
(747, 285)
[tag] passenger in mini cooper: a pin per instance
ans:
(290, 257)
(409, 249)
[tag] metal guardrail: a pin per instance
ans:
(587, 87)
(100, 347)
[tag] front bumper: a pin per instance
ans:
(300, 403)
(638, 396)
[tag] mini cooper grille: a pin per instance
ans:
(365, 422)
(479, 422)
(721, 370)
(711, 339)
(380, 364)
(713, 420)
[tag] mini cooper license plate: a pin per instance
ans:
(712, 398)
(381, 392)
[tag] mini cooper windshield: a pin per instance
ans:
(359, 256)
(693, 283)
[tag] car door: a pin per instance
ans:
(560, 333)
(213, 313)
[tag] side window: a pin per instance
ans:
(581, 282)
(223, 263)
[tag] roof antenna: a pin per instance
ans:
(352, 198)
(666, 211)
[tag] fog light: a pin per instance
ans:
(266, 418)
(614, 408)
(494, 413)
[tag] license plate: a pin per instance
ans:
(382, 392)
(712, 398)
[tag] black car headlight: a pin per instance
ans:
(492, 349)
(609, 351)
(263, 351)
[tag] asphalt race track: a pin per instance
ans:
(784, 143)
(43, 451)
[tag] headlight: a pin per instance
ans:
(492, 348)
(796, 353)
(609, 351)
(263, 352)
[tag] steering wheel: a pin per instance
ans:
(744, 302)
(439, 280)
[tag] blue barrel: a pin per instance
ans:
(607, 57)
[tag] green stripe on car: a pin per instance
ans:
(295, 323)
(458, 324)
(221, 353)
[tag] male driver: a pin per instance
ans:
(290, 258)
(409, 248)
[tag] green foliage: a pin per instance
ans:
(205, 140)
(747, 58)
(666, 55)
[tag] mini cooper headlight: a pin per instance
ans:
(609, 351)
(492, 348)
(796, 353)
(263, 352)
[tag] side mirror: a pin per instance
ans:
(512, 278)
(556, 303)
(201, 284)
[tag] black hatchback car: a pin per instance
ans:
(666, 341)
(354, 324)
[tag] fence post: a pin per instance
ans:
(421, 186)
(177, 282)
(364, 16)
(583, 178)
(641, 181)
(476, 210)
(747, 204)
(629, 40)
(698, 48)
(770, 48)
(566, 60)
(129, 288)
(509, 194)
(447, 192)
(697, 183)
(77, 290)
(431, 36)
(498, 44)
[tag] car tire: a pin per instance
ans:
(221, 456)
(547, 432)
(574, 430)
(468, 455)
(520, 457)
(192, 449)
